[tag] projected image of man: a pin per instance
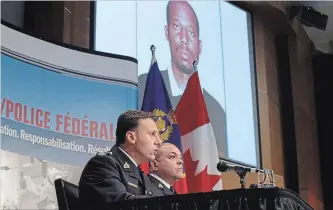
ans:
(182, 32)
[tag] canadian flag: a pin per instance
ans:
(198, 140)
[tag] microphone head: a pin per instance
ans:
(222, 166)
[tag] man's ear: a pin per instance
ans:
(131, 137)
(166, 32)
(153, 165)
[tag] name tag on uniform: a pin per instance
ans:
(133, 185)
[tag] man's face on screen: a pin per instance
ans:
(182, 32)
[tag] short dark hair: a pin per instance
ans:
(168, 15)
(129, 120)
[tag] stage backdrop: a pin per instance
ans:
(59, 107)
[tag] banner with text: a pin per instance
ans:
(45, 114)
(52, 123)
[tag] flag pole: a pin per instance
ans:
(195, 66)
(145, 166)
(153, 58)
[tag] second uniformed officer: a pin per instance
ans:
(115, 176)
(166, 169)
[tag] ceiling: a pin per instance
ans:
(323, 40)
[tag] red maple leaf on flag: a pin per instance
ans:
(202, 182)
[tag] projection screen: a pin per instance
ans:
(218, 35)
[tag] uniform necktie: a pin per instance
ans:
(172, 190)
(141, 173)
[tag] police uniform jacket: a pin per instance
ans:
(111, 177)
(159, 189)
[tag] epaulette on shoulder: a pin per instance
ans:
(100, 153)
(108, 153)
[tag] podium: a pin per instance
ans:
(238, 199)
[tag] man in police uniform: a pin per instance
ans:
(116, 176)
(166, 169)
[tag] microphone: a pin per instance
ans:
(240, 170)
(224, 167)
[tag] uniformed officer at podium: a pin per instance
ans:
(116, 175)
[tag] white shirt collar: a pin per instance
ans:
(175, 90)
(129, 157)
(161, 180)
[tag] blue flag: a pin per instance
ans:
(157, 101)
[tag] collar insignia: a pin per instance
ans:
(126, 165)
